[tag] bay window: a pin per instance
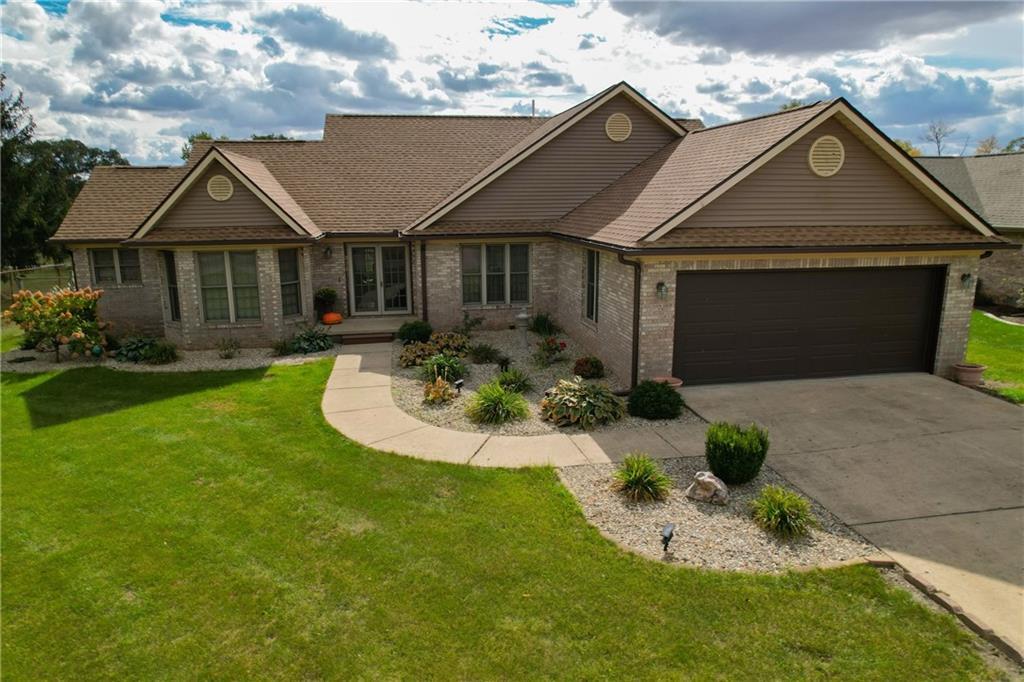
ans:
(495, 274)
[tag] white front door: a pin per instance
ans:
(379, 279)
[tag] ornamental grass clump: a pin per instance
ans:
(484, 354)
(514, 380)
(782, 512)
(640, 479)
(735, 454)
(444, 365)
(574, 403)
(543, 324)
(655, 400)
(162, 353)
(494, 404)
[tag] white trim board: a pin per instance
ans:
(938, 193)
(190, 180)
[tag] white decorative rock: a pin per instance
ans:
(707, 487)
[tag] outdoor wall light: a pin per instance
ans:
(966, 280)
(328, 252)
(666, 534)
(458, 385)
(661, 290)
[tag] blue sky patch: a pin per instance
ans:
(952, 61)
(513, 26)
(178, 19)
(58, 7)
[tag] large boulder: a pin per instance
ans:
(707, 487)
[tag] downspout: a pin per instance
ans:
(635, 369)
(423, 278)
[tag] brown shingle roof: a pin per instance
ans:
(222, 235)
(265, 180)
(677, 176)
(991, 184)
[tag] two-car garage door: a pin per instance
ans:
(764, 325)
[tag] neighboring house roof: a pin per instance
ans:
(991, 184)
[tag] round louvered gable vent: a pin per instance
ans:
(618, 127)
(826, 156)
(219, 188)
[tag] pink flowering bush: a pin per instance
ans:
(65, 317)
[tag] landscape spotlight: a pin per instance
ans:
(666, 534)
(458, 385)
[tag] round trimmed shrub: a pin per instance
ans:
(640, 479)
(655, 400)
(589, 367)
(735, 454)
(493, 404)
(416, 330)
(782, 512)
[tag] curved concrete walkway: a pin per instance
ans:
(357, 402)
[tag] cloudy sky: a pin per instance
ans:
(141, 75)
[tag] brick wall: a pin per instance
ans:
(132, 308)
(444, 286)
(657, 315)
(330, 271)
(1001, 278)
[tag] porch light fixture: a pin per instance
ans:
(966, 280)
(666, 535)
(328, 252)
(661, 290)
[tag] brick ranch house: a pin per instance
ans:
(797, 244)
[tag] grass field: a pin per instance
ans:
(10, 337)
(212, 525)
(1000, 347)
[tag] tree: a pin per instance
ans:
(938, 132)
(791, 104)
(16, 128)
(271, 136)
(989, 145)
(186, 149)
(1015, 145)
(908, 147)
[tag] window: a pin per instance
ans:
(291, 293)
(115, 266)
(229, 286)
(495, 274)
(593, 275)
(172, 286)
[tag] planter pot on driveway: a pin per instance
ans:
(968, 373)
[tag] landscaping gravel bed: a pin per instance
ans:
(707, 535)
(407, 389)
(191, 361)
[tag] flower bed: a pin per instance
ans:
(407, 387)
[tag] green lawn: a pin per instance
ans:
(212, 525)
(10, 337)
(1000, 346)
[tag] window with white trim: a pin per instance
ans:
(593, 277)
(496, 274)
(229, 286)
(291, 292)
(115, 266)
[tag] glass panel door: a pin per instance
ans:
(364, 279)
(395, 289)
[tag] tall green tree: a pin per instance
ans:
(1015, 145)
(907, 146)
(18, 222)
(186, 149)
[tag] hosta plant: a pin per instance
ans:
(571, 402)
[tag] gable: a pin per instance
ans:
(197, 209)
(568, 170)
(786, 193)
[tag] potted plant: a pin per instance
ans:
(324, 300)
(968, 373)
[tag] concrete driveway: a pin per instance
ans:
(931, 472)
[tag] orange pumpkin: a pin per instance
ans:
(332, 318)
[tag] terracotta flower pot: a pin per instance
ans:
(968, 373)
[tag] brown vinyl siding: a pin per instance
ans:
(568, 170)
(197, 209)
(786, 193)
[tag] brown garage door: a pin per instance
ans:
(764, 325)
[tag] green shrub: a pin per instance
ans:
(452, 343)
(448, 367)
(640, 479)
(311, 340)
(325, 297)
(416, 330)
(588, 367)
(783, 512)
(574, 403)
(437, 392)
(549, 349)
(135, 349)
(484, 353)
(735, 454)
(514, 380)
(543, 324)
(655, 400)
(416, 353)
(228, 348)
(493, 404)
(281, 347)
(162, 353)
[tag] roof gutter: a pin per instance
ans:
(635, 360)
